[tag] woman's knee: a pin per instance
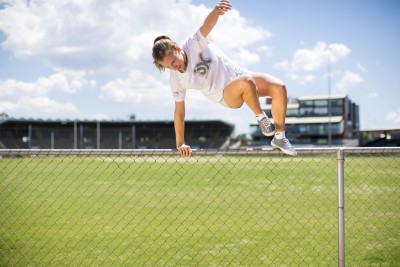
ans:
(238, 90)
(278, 90)
(283, 89)
(250, 80)
(249, 85)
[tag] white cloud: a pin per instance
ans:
(92, 35)
(139, 87)
(316, 58)
(37, 106)
(283, 65)
(69, 82)
(393, 117)
(110, 41)
(305, 61)
(241, 36)
(246, 58)
(372, 94)
(301, 79)
(267, 50)
(348, 80)
(81, 34)
(29, 99)
(309, 60)
(14, 88)
(337, 51)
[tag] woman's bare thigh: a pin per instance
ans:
(266, 83)
(233, 91)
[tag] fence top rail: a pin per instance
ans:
(242, 151)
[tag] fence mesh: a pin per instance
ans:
(217, 208)
(372, 195)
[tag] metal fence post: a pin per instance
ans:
(340, 176)
(98, 135)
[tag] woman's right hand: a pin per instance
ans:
(185, 150)
(223, 6)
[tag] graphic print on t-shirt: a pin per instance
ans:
(203, 65)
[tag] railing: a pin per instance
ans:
(243, 207)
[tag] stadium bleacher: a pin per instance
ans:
(61, 134)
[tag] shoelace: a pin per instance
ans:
(286, 141)
(265, 122)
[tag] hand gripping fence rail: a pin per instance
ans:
(245, 207)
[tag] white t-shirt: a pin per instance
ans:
(208, 70)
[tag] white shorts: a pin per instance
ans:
(223, 103)
(238, 72)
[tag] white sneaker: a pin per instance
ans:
(266, 126)
(284, 145)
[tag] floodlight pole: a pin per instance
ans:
(329, 99)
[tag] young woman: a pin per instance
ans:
(196, 65)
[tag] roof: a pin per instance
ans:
(295, 104)
(319, 97)
(110, 122)
(309, 120)
(394, 129)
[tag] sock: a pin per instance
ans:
(260, 116)
(280, 135)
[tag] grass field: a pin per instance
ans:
(206, 211)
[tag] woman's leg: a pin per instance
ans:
(244, 90)
(241, 90)
(269, 85)
(248, 88)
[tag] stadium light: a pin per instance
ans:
(329, 99)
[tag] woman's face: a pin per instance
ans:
(175, 60)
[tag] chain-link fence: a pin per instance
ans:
(325, 207)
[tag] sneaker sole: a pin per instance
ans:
(270, 133)
(291, 153)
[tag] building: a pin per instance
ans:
(82, 134)
(380, 138)
(309, 122)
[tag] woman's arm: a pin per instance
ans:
(211, 20)
(179, 124)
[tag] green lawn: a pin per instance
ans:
(206, 211)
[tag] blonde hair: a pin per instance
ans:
(162, 46)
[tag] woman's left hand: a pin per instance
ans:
(185, 150)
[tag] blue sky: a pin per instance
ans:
(92, 59)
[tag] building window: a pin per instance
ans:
(303, 129)
(321, 129)
(337, 102)
(292, 113)
(337, 111)
(321, 103)
(321, 111)
(307, 111)
(307, 103)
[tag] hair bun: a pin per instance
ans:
(161, 38)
